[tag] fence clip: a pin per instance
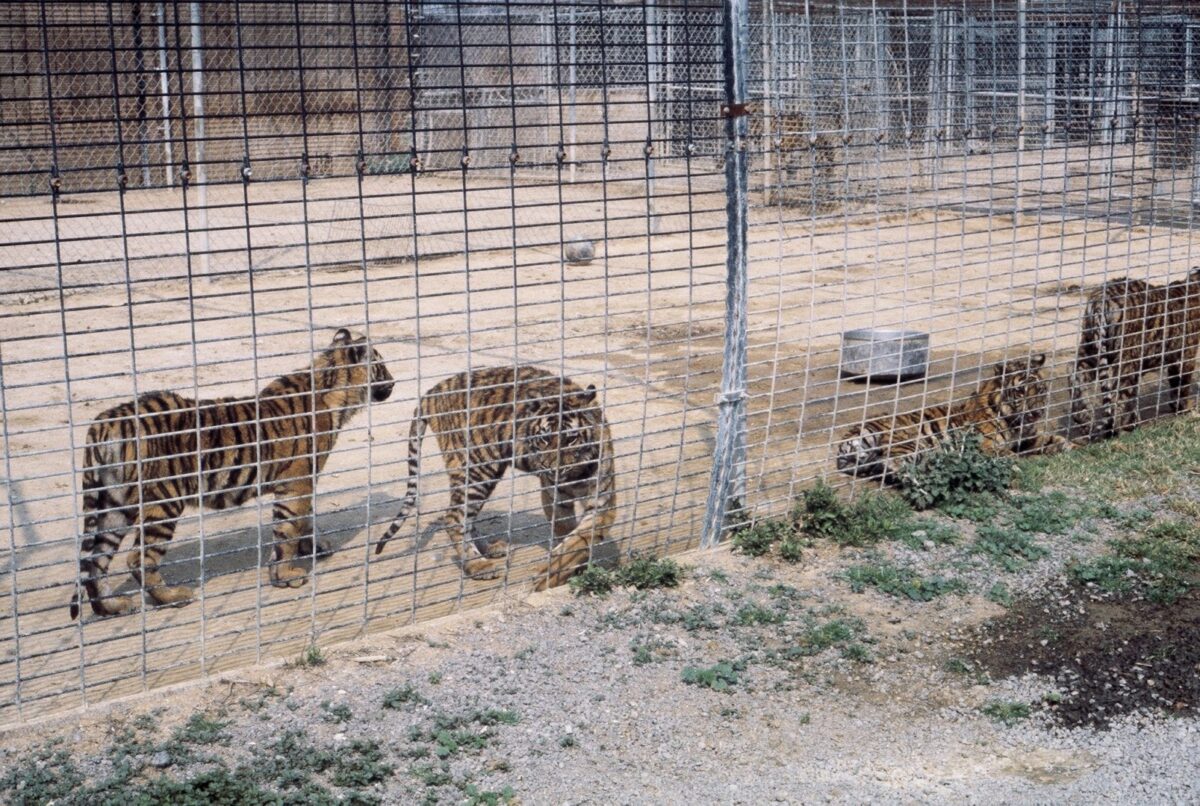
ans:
(734, 110)
(730, 397)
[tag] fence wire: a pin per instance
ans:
(197, 196)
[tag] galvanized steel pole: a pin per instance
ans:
(727, 487)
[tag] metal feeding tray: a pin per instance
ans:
(878, 354)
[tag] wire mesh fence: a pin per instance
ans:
(198, 196)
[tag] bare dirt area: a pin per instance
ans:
(457, 276)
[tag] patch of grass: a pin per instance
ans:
(900, 582)
(868, 519)
(702, 617)
(858, 653)
(644, 573)
(1052, 513)
(755, 614)
(1006, 711)
(310, 658)
(649, 649)
(722, 676)
(1159, 564)
(360, 764)
(974, 507)
(201, 729)
(1000, 594)
(336, 714)
(757, 539)
(592, 581)
(1007, 546)
(407, 694)
(791, 550)
(956, 469)
(923, 530)
(719, 576)
(1155, 459)
(478, 797)
(47, 775)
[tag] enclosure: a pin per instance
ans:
(196, 196)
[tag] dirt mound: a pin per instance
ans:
(1109, 657)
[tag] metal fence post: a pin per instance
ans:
(727, 486)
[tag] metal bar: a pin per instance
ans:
(727, 486)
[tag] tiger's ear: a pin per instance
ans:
(342, 336)
(1037, 360)
(586, 396)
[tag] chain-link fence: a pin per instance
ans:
(197, 196)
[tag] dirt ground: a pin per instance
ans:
(481, 282)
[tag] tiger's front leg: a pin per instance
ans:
(293, 521)
(575, 552)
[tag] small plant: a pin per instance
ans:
(719, 576)
(311, 657)
(1049, 513)
(644, 573)
(361, 764)
(954, 470)
(900, 582)
(754, 614)
(435, 678)
(858, 653)
(200, 729)
(720, 677)
(337, 714)
(957, 666)
(790, 549)
(592, 581)
(1008, 547)
(757, 539)
(1000, 594)
(478, 797)
(567, 741)
(821, 510)
(407, 694)
(1006, 711)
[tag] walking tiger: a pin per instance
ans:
(537, 422)
(148, 459)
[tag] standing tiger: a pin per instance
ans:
(1130, 328)
(1005, 411)
(148, 459)
(539, 423)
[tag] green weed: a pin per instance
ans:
(592, 581)
(407, 694)
(311, 657)
(1006, 711)
(722, 676)
(956, 469)
(900, 582)
(1158, 564)
(644, 573)
(1007, 546)
(757, 539)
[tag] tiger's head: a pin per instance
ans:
(1019, 394)
(563, 435)
(352, 352)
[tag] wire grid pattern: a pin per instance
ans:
(196, 196)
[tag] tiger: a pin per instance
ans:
(148, 459)
(1129, 328)
(1005, 411)
(539, 423)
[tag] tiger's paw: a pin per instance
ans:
(495, 549)
(113, 605)
(481, 569)
(170, 595)
(288, 576)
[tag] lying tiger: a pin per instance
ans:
(148, 459)
(1005, 411)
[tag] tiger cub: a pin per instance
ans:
(1005, 411)
(148, 459)
(1130, 328)
(526, 417)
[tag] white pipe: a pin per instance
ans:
(198, 114)
(165, 84)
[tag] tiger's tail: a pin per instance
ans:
(416, 433)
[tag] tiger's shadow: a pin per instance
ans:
(236, 551)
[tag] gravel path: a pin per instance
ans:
(838, 697)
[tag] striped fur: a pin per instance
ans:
(1005, 411)
(1130, 328)
(539, 423)
(149, 459)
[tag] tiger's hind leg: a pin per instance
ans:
(156, 529)
(1127, 402)
(1180, 376)
(105, 525)
(468, 493)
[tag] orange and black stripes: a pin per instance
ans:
(538, 423)
(148, 459)
(1005, 411)
(1130, 328)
